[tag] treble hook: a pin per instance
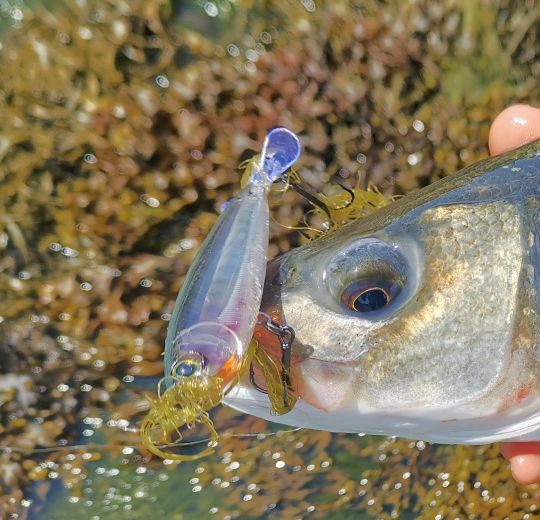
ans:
(253, 382)
(285, 335)
(315, 201)
(348, 190)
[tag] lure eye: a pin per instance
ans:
(369, 295)
(191, 364)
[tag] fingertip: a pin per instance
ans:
(524, 461)
(513, 127)
(525, 469)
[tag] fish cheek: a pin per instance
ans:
(449, 345)
(323, 384)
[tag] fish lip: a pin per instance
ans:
(271, 306)
(280, 273)
(271, 301)
(270, 310)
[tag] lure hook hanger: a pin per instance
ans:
(285, 335)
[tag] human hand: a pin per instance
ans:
(513, 127)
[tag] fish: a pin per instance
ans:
(421, 320)
(216, 310)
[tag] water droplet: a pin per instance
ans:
(414, 158)
(69, 252)
(119, 111)
(266, 38)
(250, 67)
(252, 55)
(162, 81)
(150, 201)
(64, 38)
(309, 5)
(233, 50)
(85, 33)
(361, 158)
(418, 125)
(211, 9)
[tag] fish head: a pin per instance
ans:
(421, 315)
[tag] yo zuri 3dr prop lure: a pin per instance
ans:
(207, 345)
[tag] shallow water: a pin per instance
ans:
(123, 127)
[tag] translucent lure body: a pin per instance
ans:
(217, 308)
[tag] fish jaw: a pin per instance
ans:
(460, 342)
(348, 419)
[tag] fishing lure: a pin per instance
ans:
(216, 310)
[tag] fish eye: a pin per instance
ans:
(191, 364)
(369, 295)
(370, 278)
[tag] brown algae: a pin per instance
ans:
(184, 404)
(114, 156)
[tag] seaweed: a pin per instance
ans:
(123, 124)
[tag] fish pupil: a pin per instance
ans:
(371, 300)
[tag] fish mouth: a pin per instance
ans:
(322, 384)
(271, 306)
(272, 316)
